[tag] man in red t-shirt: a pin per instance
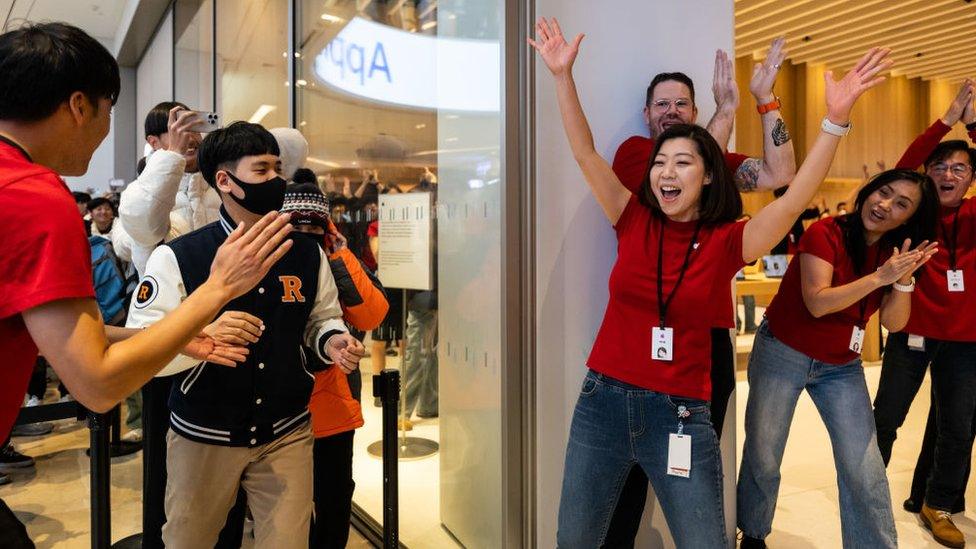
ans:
(56, 97)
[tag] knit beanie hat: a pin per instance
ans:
(293, 148)
(307, 205)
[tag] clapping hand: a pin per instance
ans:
(764, 74)
(724, 87)
(904, 262)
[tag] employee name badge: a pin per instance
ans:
(679, 455)
(955, 281)
(662, 344)
(916, 342)
(857, 339)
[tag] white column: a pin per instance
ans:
(627, 42)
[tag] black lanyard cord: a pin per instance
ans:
(863, 303)
(951, 244)
(662, 304)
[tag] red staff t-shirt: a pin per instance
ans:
(623, 345)
(827, 338)
(44, 257)
(633, 157)
(937, 312)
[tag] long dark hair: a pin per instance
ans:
(720, 201)
(920, 226)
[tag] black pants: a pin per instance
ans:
(155, 425)
(13, 534)
(332, 487)
(630, 506)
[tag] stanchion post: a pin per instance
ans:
(386, 386)
(100, 464)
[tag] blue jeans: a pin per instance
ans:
(617, 426)
(777, 375)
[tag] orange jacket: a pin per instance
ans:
(364, 306)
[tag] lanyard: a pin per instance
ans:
(951, 243)
(863, 303)
(663, 304)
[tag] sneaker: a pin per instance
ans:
(11, 459)
(942, 527)
(32, 429)
(752, 543)
(135, 435)
(391, 352)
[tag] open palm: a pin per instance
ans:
(764, 74)
(842, 94)
(552, 46)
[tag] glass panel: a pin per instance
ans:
(252, 55)
(399, 98)
(194, 54)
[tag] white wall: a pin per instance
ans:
(154, 77)
(575, 250)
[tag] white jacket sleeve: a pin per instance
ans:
(160, 291)
(146, 203)
(121, 242)
(204, 202)
(326, 317)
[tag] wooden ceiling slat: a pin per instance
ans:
(794, 24)
(906, 46)
(745, 7)
(781, 15)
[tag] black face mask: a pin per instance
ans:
(318, 239)
(260, 198)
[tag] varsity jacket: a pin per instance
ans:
(164, 203)
(266, 396)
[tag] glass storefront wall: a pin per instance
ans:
(400, 102)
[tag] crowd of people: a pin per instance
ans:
(225, 295)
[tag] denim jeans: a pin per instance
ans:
(617, 426)
(777, 375)
(420, 363)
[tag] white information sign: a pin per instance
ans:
(405, 241)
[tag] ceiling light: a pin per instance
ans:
(301, 82)
(258, 116)
(420, 126)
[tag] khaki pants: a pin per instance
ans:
(203, 482)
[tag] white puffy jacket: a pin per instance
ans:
(164, 203)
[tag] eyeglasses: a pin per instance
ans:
(663, 105)
(958, 170)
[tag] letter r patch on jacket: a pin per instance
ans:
(146, 292)
(291, 289)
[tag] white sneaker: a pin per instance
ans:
(134, 435)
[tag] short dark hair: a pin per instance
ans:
(921, 226)
(720, 200)
(141, 165)
(157, 120)
(305, 175)
(946, 149)
(43, 64)
(223, 148)
(101, 201)
(81, 198)
(664, 77)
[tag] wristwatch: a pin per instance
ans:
(769, 107)
(907, 288)
(833, 129)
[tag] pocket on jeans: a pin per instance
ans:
(693, 405)
(589, 385)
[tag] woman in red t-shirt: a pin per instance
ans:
(812, 339)
(644, 400)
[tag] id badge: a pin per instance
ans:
(955, 280)
(916, 342)
(857, 340)
(679, 455)
(662, 344)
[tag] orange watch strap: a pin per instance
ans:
(769, 107)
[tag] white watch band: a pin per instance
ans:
(907, 288)
(834, 129)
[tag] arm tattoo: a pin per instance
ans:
(747, 176)
(780, 134)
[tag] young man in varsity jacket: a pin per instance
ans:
(246, 426)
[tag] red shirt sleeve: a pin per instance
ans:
(373, 229)
(44, 254)
(631, 160)
(820, 240)
(734, 160)
(924, 144)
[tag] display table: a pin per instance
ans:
(764, 288)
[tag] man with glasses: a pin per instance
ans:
(941, 332)
(670, 100)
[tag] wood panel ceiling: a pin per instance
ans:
(929, 38)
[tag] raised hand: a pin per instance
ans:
(552, 46)
(246, 256)
(842, 94)
(969, 113)
(963, 99)
(724, 88)
(206, 348)
(903, 262)
(764, 74)
(181, 139)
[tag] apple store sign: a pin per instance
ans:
(381, 63)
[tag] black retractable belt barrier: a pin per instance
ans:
(386, 386)
(101, 522)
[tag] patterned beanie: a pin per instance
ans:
(307, 206)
